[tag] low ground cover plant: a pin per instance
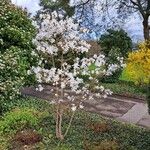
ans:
(126, 88)
(88, 131)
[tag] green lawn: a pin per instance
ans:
(125, 86)
(126, 89)
(88, 131)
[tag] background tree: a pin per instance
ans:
(143, 8)
(88, 9)
(115, 39)
(16, 33)
(58, 5)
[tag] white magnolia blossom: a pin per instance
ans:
(58, 37)
(73, 107)
(47, 40)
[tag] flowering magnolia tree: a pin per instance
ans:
(56, 39)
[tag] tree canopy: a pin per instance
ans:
(57, 5)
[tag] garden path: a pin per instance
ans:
(124, 109)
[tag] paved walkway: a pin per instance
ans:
(124, 109)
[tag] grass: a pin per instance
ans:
(88, 132)
(126, 89)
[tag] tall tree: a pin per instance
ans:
(128, 6)
(143, 7)
(57, 5)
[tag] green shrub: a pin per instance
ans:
(114, 78)
(115, 42)
(124, 76)
(18, 119)
(16, 57)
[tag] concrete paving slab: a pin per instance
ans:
(110, 114)
(135, 113)
(120, 108)
(145, 121)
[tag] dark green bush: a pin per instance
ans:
(115, 42)
(16, 34)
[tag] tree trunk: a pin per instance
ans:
(146, 28)
(61, 136)
(59, 133)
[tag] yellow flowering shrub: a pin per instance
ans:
(138, 64)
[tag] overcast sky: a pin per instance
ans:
(31, 5)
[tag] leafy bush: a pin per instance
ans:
(138, 65)
(18, 119)
(16, 57)
(124, 76)
(12, 73)
(115, 42)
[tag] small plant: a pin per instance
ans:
(19, 119)
(3, 143)
(62, 147)
(27, 137)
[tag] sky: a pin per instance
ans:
(133, 25)
(31, 5)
